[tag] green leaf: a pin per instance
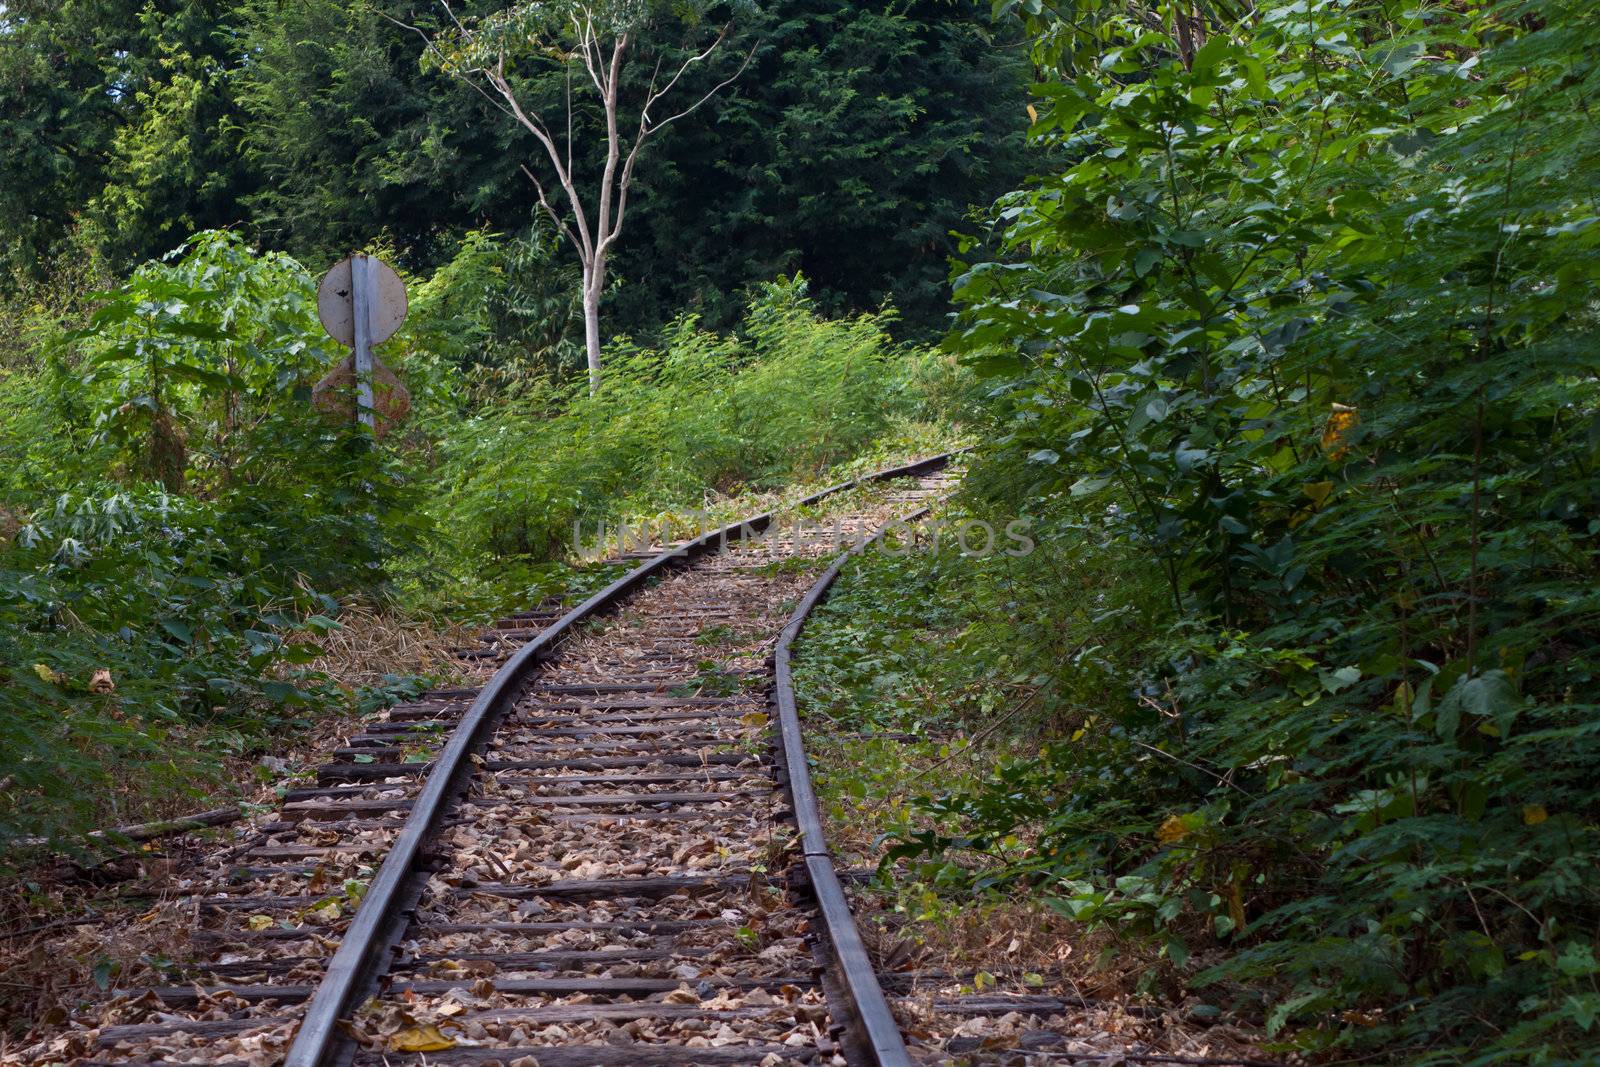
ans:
(1488, 696)
(179, 630)
(1211, 55)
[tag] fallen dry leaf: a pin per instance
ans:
(420, 1039)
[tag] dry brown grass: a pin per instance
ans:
(376, 641)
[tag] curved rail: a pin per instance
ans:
(362, 956)
(879, 1031)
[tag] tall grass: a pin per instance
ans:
(787, 397)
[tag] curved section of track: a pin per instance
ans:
(386, 912)
(606, 855)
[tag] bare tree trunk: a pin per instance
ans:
(592, 283)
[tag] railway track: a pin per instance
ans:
(610, 854)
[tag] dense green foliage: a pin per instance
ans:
(854, 143)
(171, 502)
(117, 116)
(141, 637)
(789, 396)
(179, 522)
(848, 151)
(1296, 341)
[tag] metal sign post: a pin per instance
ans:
(362, 298)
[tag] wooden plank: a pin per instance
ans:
(637, 1054)
(597, 800)
(253, 968)
(608, 723)
(688, 813)
(449, 713)
(606, 730)
(294, 795)
(271, 828)
(149, 831)
(593, 763)
(999, 1004)
(606, 687)
(387, 754)
(659, 778)
(528, 929)
(651, 1009)
(348, 772)
(312, 809)
(665, 926)
(632, 705)
(271, 933)
(187, 996)
(615, 887)
(256, 903)
(615, 987)
(578, 749)
(544, 960)
(110, 1035)
(299, 852)
(416, 728)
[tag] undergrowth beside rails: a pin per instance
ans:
(184, 536)
(1291, 363)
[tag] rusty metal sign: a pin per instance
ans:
(361, 303)
(384, 296)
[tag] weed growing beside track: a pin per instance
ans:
(184, 538)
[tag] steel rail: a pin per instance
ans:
(880, 1033)
(362, 958)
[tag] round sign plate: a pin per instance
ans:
(334, 305)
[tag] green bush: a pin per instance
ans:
(172, 499)
(140, 637)
(1304, 324)
(794, 395)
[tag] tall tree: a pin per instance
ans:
(354, 140)
(591, 43)
(861, 136)
(118, 114)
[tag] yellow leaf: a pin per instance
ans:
(46, 674)
(1340, 423)
(259, 922)
(1176, 828)
(1033, 114)
(1534, 814)
(1318, 492)
(756, 719)
(420, 1039)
